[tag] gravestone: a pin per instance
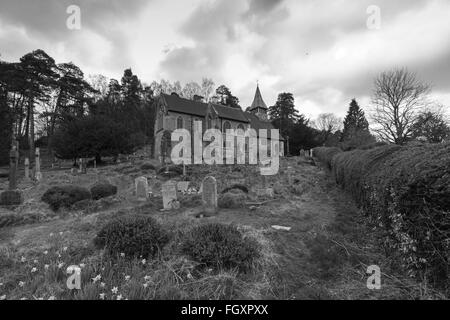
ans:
(83, 165)
(27, 169)
(289, 173)
(183, 186)
(209, 194)
(141, 188)
(311, 153)
(37, 164)
(169, 194)
(12, 169)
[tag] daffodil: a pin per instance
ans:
(61, 233)
(46, 266)
(97, 278)
(127, 278)
(145, 285)
(46, 252)
(23, 259)
(146, 278)
(115, 290)
(102, 284)
(119, 297)
(35, 261)
(65, 249)
(122, 254)
(82, 265)
(33, 270)
(52, 298)
(3, 297)
(102, 296)
(60, 265)
(51, 234)
(21, 283)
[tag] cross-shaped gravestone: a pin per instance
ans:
(169, 194)
(209, 194)
(141, 187)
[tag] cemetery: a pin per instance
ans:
(198, 231)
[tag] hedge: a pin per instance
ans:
(405, 191)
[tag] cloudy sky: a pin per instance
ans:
(320, 50)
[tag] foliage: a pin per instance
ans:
(226, 97)
(103, 190)
(221, 246)
(232, 199)
(405, 191)
(10, 197)
(65, 196)
(431, 126)
(93, 136)
(134, 236)
(356, 128)
(325, 155)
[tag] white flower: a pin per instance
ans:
(122, 254)
(97, 278)
(65, 249)
(115, 290)
(51, 234)
(189, 275)
(3, 297)
(82, 265)
(46, 266)
(23, 298)
(21, 283)
(1, 284)
(23, 259)
(35, 261)
(144, 261)
(146, 278)
(60, 265)
(119, 297)
(33, 270)
(127, 278)
(52, 298)
(102, 284)
(41, 298)
(102, 296)
(45, 252)
(61, 233)
(145, 285)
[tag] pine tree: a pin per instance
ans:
(356, 128)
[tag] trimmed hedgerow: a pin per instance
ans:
(325, 155)
(65, 196)
(134, 236)
(220, 246)
(406, 193)
(103, 190)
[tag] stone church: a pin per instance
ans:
(174, 112)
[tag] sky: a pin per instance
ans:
(325, 52)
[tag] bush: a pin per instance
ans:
(325, 155)
(134, 236)
(65, 196)
(406, 192)
(11, 198)
(148, 166)
(221, 246)
(103, 190)
(236, 186)
(232, 200)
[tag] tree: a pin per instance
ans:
(356, 128)
(327, 124)
(226, 97)
(5, 117)
(191, 89)
(93, 136)
(207, 88)
(431, 126)
(397, 98)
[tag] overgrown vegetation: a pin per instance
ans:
(103, 190)
(405, 191)
(65, 196)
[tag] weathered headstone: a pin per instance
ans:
(141, 188)
(289, 173)
(37, 164)
(169, 194)
(209, 194)
(311, 153)
(83, 165)
(183, 186)
(12, 169)
(27, 169)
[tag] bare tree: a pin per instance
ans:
(328, 122)
(397, 98)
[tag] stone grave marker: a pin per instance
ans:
(169, 194)
(12, 169)
(27, 169)
(209, 194)
(141, 188)
(183, 186)
(37, 172)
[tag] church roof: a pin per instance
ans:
(258, 101)
(198, 108)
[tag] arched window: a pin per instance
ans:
(240, 126)
(209, 122)
(226, 126)
(179, 123)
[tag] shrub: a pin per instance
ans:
(405, 191)
(174, 170)
(134, 236)
(103, 190)
(11, 198)
(236, 186)
(148, 166)
(65, 196)
(221, 246)
(232, 200)
(325, 155)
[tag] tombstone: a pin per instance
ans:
(37, 170)
(302, 153)
(12, 169)
(209, 194)
(183, 186)
(83, 166)
(141, 188)
(169, 194)
(27, 169)
(95, 164)
(311, 153)
(289, 174)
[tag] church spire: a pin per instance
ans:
(258, 107)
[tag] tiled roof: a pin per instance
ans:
(177, 104)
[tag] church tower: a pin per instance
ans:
(258, 106)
